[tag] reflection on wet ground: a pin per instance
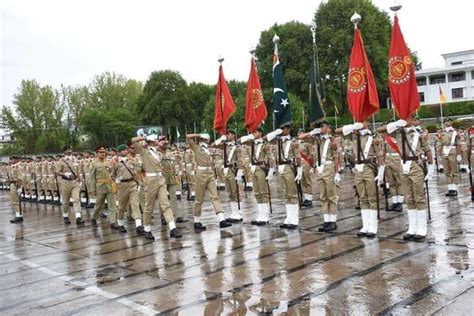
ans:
(47, 267)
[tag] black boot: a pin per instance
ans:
(174, 233)
(398, 207)
(79, 221)
(140, 231)
(114, 226)
(94, 223)
(324, 227)
(16, 220)
(181, 219)
(122, 229)
(418, 238)
(331, 226)
(224, 224)
(149, 235)
(66, 220)
(198, 227)
(408, 237)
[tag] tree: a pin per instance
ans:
(197, 95)
(334, 36)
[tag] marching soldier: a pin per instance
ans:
(291, 172)
(13, 175)
(413, 145)
(307, 156)
(137, 164)
(262, 171)
(71, 178)
(368, 155)
(127, 192)
(155, 185)
(451, 153)
(190, 170)
(103, 187)
(246, 160)
(393, 170)
(327, 173)
(168, 164)
(205, 181)
(463, 140)
(232, 159)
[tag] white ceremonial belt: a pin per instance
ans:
(51, 175)
(189, 165)
(203, 168)
(86, 174)
(393, 154)
(154, 174)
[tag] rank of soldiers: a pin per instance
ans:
(124, 184)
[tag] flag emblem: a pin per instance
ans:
(256, 98)
(399, 69)
(357, 82)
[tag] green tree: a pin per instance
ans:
(334, 36)
(197, 94)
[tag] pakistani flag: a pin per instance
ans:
(281, 102)
(316, 112)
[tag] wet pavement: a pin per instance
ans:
(49, 268)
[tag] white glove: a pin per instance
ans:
(347, 129)
(221, 139)
(430, 172)
(239, 175)
(315, 131)
(468, 170)
(19, 191)
(275, 133)
(379, 177)
(151, 137)
(458, 158)
(246, 138)
(140, 132)
(392, 127)
(205, 136)
(358, 126)
(401, 123)
(299, 174)
(270, 175)
(337, 178)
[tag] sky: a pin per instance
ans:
(70, 41)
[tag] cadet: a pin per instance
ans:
(451, 151)
(290, 170)
(190, 169)
(262, 170)
(368, 153)
(205, 181)
(327, 173)
(155, 185)
(307, 156)
(103, 187)
(413, 144)
(14, 179)
(70, 173)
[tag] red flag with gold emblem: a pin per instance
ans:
(255, 109)
(225, 106)
(362, 95)
(401, 75)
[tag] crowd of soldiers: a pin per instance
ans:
(126, 181)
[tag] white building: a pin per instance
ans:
(456, 79)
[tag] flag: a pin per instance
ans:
(362, 96)
(401, 75)
(316, 112)
(255, 108)
(281, 102)
(225, 106)
(442, 97)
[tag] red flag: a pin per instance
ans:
(255, 109)
(401, 75)
(225, 106)
(362, 95)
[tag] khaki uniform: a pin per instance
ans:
(37, 178)
(393, 171)
(70, 188)
(127, 189)
(261, 163)
(450, 144)
(102, 183)
(13, 175)
(154, 184)
(463, 141)
(326, 158)
(168, 164)
(190, 169)
(306, 150)
(246, 162)
(205, 181)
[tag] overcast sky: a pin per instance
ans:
(70, 41)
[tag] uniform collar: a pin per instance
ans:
(204, 145)
(287, 137)
(258, 141)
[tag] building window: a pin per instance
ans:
(454, 63)
(458, 76)
(437, 79)
(421, 96)
(421, 81)
(457, 93)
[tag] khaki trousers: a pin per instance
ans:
(287, 182)
(327, 189)
(365, 186)
(413, 187)
(127, 194)
(393, 174)
(15, 198)
(205, 183)
(450, 166)
(231, 186)
(70, 190)
(306, 182)
(155, 188)
(260, 186)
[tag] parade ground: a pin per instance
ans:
(49, 268)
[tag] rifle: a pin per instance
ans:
(57, 188)
(377, 195)
(36, 188)
(267, 167)
(425, 172)
(385, 192)
(471, 135)
(436, 155)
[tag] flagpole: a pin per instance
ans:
(441, 113)
(194, 127)
(302, 114)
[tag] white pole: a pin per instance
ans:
(335, 117)
(441, 113)
(302, 113)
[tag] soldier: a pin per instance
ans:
(103, 187)
(368, 155)
(137, 164)
(127, 189)
(464, 165)
(262, 171)
(291, 172)
(37, 178)
(413, 145)
(205, 181)
(232, 160)
(14, 178)
(168, 163)
(155, 185)
(327, 173)
(246, 168)
(190, 170)
(348, 152)
(44, 180)
(50, 173)
(307, 156)
(392, 170)
(451, 153)
(71, 178)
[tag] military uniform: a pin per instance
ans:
(233, 163)
(168, 164)
(71, 187)
(14, 178)
(464, 164)
(450, 150)
(393, 172)
(307, 156)
(103, 185)
(190, 170)
(246, 162)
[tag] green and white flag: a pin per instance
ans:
(281, 102)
